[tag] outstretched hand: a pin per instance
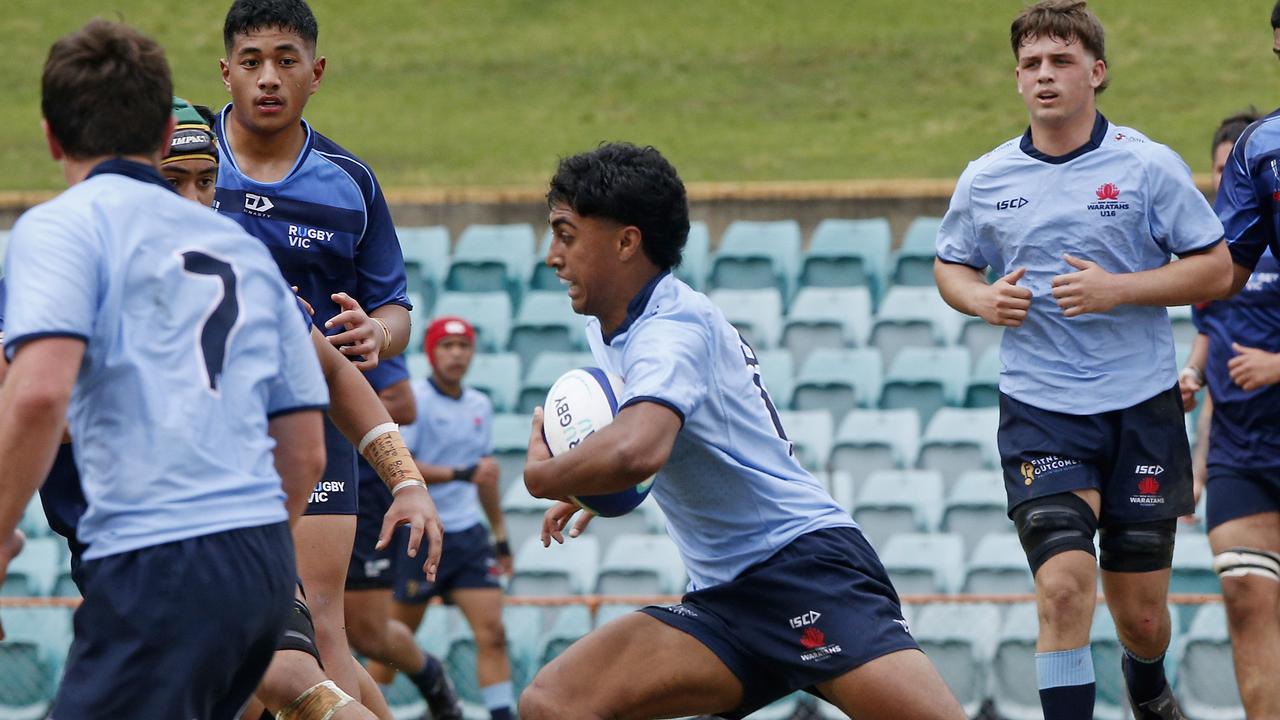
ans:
(414, 507)
(557, 517)
(363, 335)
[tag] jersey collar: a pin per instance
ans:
(229, 157)
(440, 391)
(130, 169)
(636, 307)
(1095, 141)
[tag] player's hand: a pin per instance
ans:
(557, 517)
(502, 555)
(1252, 368)
(1188, 385)
(487, 473)
(1090, 290)
(538, 450)
(305, 305)
(1003, 302)
(414, 507)
(363, 335)
(9, 549)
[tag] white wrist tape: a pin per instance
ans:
(408, 483)
(374, 433)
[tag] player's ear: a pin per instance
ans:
(226, 73)
(629, 242)
(1098, 74)
(317, 73)
(55, 147)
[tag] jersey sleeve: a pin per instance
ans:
(55, 273)
(380, 276)
(300, 384)
(1241, 210)
(665, 363)
(957, 241)
(1177, 213)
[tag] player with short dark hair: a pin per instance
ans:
(321, 213)
(166, 336)
(785, 593)
(1079, 217)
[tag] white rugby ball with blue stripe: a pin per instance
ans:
(581, 402)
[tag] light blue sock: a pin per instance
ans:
(498, 699)
(1067, 686)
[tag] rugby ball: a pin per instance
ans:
(579, 403)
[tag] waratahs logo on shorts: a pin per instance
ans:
(1148, 485)
(816, 646)
(812, 639)
(1108, 200)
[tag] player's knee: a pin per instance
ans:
(366, 633)
(491, 636)
(1048, 526)
(539, 702)
(1250, 586)
(1063, 597)
(1142, 624)
(1137, 548)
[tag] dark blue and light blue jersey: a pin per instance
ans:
(1248, 200)
(1122, 201)
(387, 373)
(733, 491)
(193, 341)
(453, 432)
(1246, 424)
(326, 224)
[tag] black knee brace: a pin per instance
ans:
(1054, 524)
(1140, 547)
(299, 632)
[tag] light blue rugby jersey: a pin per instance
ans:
(193, 340)
(454, 433)
(733, 491)
(1122, 201)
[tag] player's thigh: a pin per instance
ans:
(411, 614)
(636, 667)
(1260, 531)
(323, 544)
(482, 607)
(902, 684)
(1249, 595)
(366, 613)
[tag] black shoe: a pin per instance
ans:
(443, 701)
(1164, 707)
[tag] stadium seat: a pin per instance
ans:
(489, 312)
(756, 255)
(998, 566)
(491, 258)
(777, 370)
(912, 316)
(978, 336)
(847, 253)
(542, 277)
(638, 565)
(646, 519)
(960, 640)
(898, 501)
(1015, 694)
(546, 322)
(510, 436)
(983, 388)
(923, 563)
(913, 263)
(1192, 572)
(1206, 686)
(840, 486)
(870, 440)
(1184, 330)
(570, 624)
(831, 318)
(757, 314)
(694, 260)
(34, 570)
(33, 522)
(31, 659)
(810, 432)
(544, 372)
(975, 507)
(925, 379)
(568, 569)
(523, 512)
(498, 376)
(957, 439)
(836, 381)
(426, 258)
(525, 628)
(419, 319)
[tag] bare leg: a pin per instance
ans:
(292, 673)
(410, 615)
(483, 610)
(1253, 614)
(902, 684)
(323, 544)
(376, 635)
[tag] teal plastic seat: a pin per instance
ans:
(913, 263)
(912, 317)
(831, 318)
(546, 322)
(837, 381)
(778, 373)
(998, 566)
(33, 571)
(924, 563)
(975, 507)
(33, 522)
(645, 519)
(1192, 571)
(810, 431)
(522, 512)
(960, 641)
(558, 570)
(31, 659)
(419, 319)
(510, 436)
(871, 440)
(1015, 694)
(492, 258)
(525, 630)
(983, 388)
(960, 439)
(925, 379)
(892, 502)
(498, 376)
(757, 314)
(571, 623)
(978, 336)
(1206, 686)
(848, 253)
(426, 258)
(489, 312)
(640, 565)
(542, 278)
(756, 255)
(543, 373)
(696, 256)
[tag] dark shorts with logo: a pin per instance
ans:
(1236, 492)
(1138, 458)
(818, 608)
(337, 493)
(466, 562)
(206, 613)
(371, 569)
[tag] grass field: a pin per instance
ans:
(459, 92)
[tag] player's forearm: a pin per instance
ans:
(397, 321)
(959, 285)
(436, 474)
(353, 405)
(1192, 279)
(491, 504)
(1199, 354)
(31, 428)
(606, 462)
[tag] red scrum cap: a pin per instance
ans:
(443, 327)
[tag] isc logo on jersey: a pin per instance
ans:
(581, 402)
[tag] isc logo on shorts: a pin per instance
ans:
(808, 618)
